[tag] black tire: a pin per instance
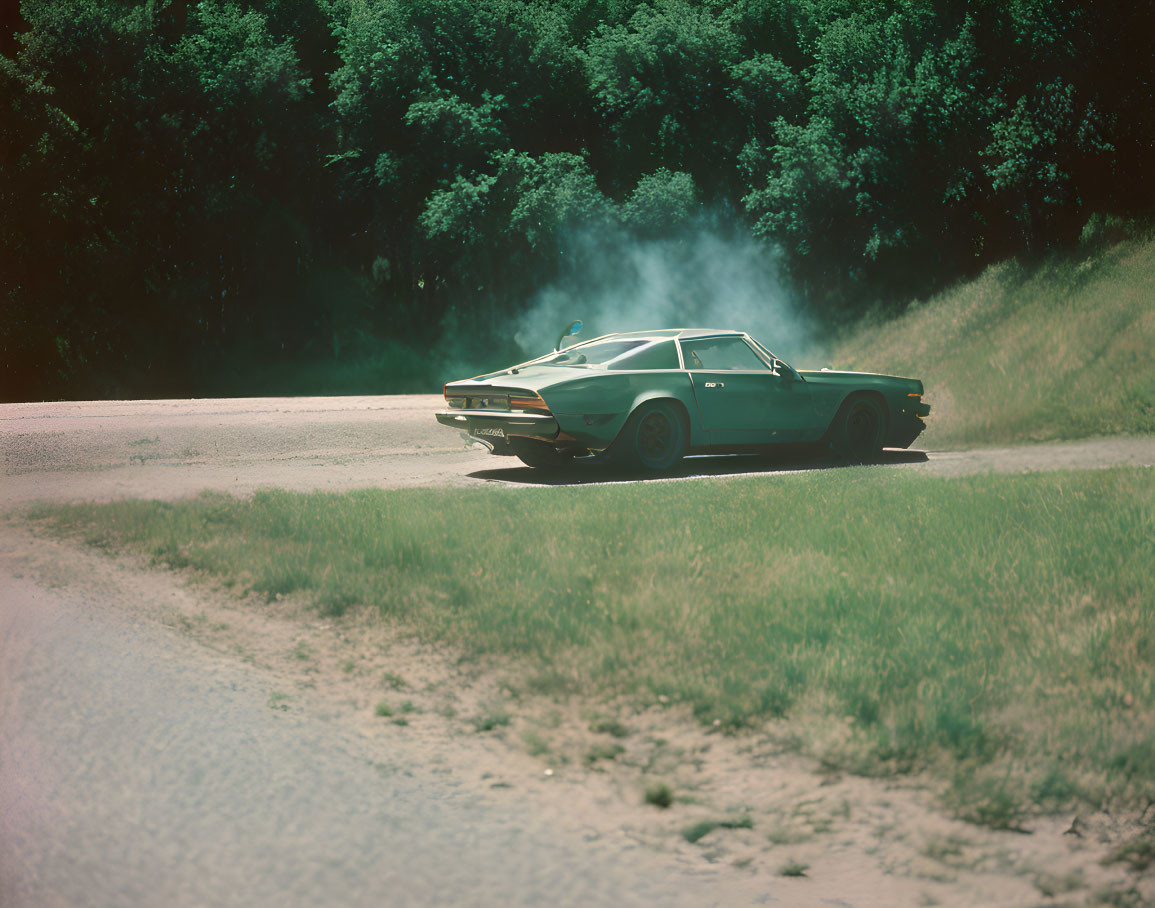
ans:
(541, 456)
(654, 437)
(859, 430)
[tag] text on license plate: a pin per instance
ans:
(493, 431)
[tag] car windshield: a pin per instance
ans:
(593, 353)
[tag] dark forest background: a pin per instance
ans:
(311, 196)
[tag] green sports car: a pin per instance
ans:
(649, 397)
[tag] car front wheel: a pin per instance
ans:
(858, 430)
(654, 437)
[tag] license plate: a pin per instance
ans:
(491, 431)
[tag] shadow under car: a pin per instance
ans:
(600, 470)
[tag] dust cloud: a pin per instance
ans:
(705, 277)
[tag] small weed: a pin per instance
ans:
(535, 744)
(400, 720)
(1055, 790)
(277, 701)
(393, 681)
(409, 707)
(704, 827)
(987, 801)
(383, 709)
(782, 835)
(303, 652)
(660, 795)
(1138, 854)
(947, 850)
(603, 752)
(490, 721)
(696, 831)
(347, 666)
(793, 868)
(1054, 884)
(610, 727)
(334, 603)
(145, 441)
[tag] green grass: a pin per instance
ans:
(703, 828)
(659, 795)
(1058, 350)
(997, 630)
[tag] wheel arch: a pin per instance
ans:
(857, 394)
(662, 397)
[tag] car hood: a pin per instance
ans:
(862, 380)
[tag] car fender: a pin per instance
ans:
(594, 410)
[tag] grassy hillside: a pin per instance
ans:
(1028, 353)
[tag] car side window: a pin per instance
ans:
(721, 354)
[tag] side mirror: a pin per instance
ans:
(574, 327)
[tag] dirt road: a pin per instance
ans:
(172, 448)
(138, 769)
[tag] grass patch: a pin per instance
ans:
(696, 831)
(603, 752)
(535, 744)
(659, 795)
(793, 868)
(996, 629)
(702, 828)
(611, 727)
(1053, 350)
(491, 720)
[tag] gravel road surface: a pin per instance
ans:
(173, 448)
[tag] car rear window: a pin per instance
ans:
(594, 353)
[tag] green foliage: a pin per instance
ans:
(207, 197)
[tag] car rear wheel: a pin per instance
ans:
(654, 437)
(859, 430)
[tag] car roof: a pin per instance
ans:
(677, 332)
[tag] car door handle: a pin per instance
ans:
(715, 384)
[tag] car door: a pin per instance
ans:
(741, 400)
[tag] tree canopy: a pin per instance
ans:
(195, 196)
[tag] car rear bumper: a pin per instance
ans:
(493, 426)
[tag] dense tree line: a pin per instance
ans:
(196, 195)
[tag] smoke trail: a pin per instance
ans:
(705, 277)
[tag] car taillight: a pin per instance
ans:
(527, 403)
